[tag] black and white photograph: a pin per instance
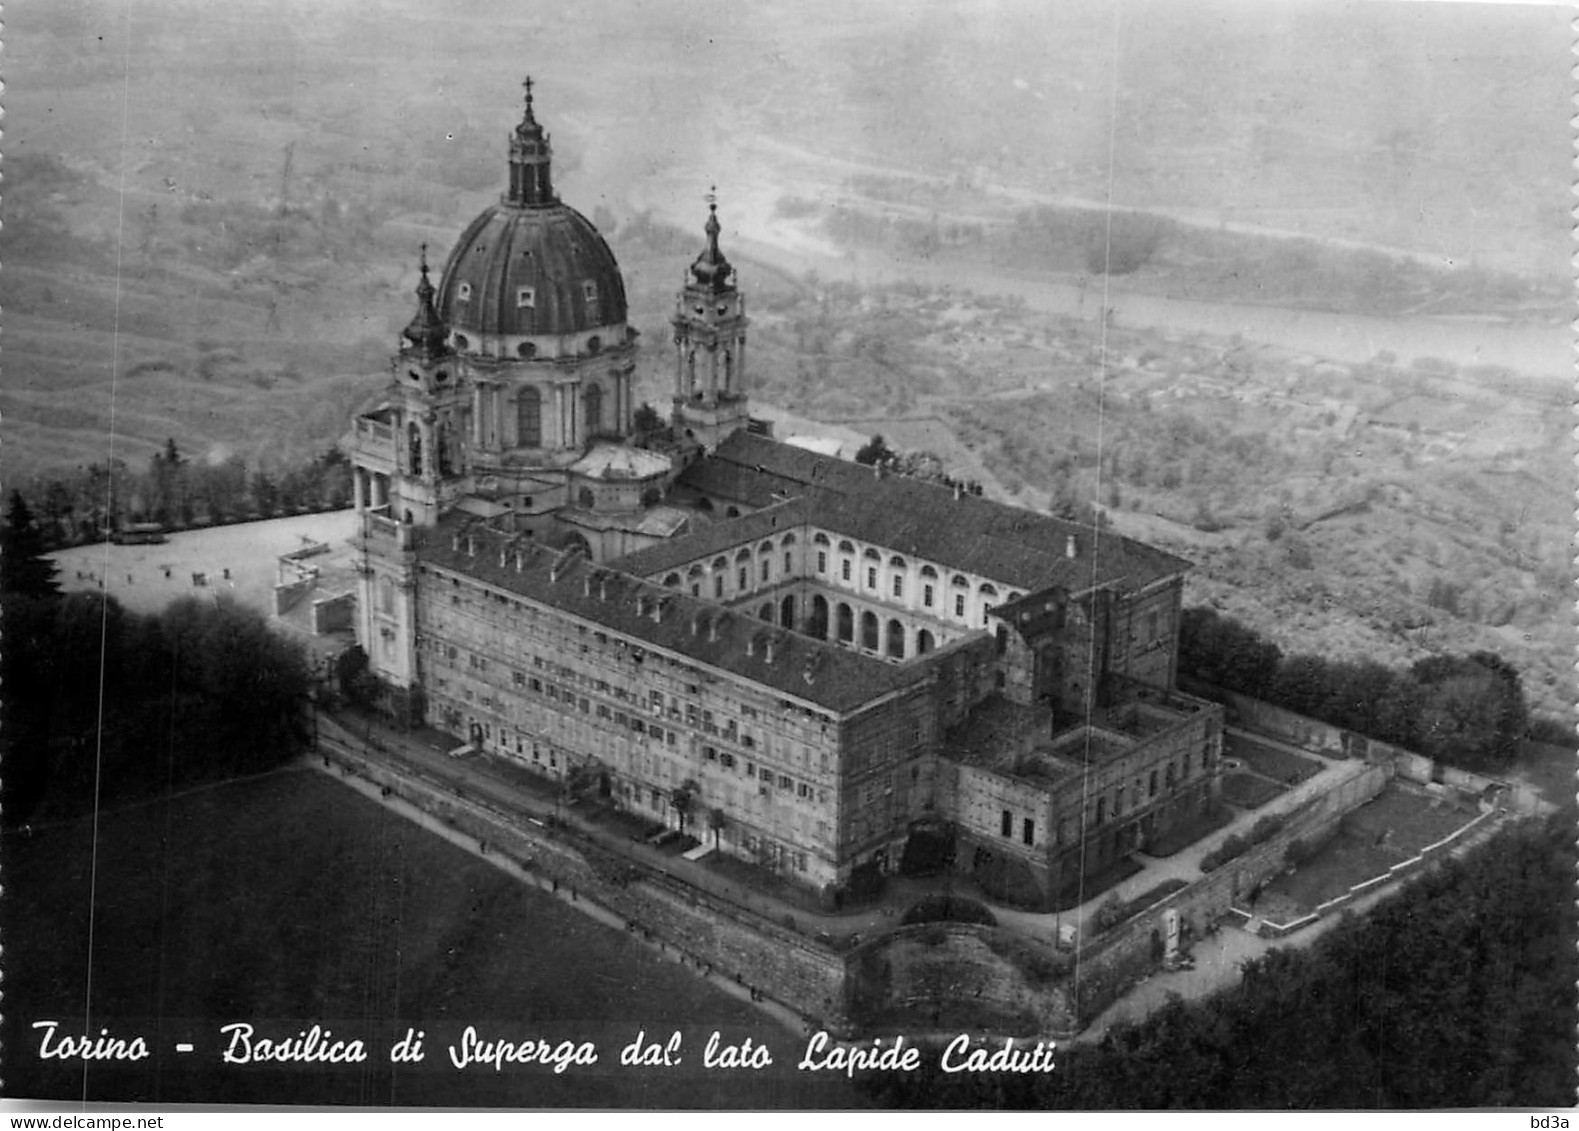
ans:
(728, 555)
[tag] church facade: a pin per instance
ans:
(795, 660)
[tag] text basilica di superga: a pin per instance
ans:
(799, 660)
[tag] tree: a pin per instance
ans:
(683, 799)
(875, 452)
(24, 570)
(646, 420)
(356, 683)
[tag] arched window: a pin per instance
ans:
(765, 548)
(720, 563)
(766, 612)
(960, 582)
(988, 589)
(872, 555)
(923, 642)
(897, 562)
(788, 539)
(846, 548)
(672, 581)
(529, 418)
(820, 539)
(818, 625)
(414, 448)
(743, 556)
(695, 571)
(441, 447)
(787, 611)
(846, 624)
(869, 630)
(896, 640)
(593, 398)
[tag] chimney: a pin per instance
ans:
(767, 649)
(503, 554)
(641, 604)
(696, 623)
(712, 628)
(658, 606)
(603, 587)
(471, 546)
(586, 585)
(1069, 547)
(455, 542)
(520, 560)
(959, 491)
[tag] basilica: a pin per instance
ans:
(792, 659)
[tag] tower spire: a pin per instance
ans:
(711, 269)
(426, 330)
(531, 181)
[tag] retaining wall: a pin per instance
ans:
(920, 973)
(733, 942)
(1114, 961)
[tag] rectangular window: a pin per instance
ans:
(1153, 790)
(740, 578)
(926, 595)
(871, 577)
(767, 568)
(718, 585)
(844, 570)
(959, 604)
(822, 561)
(1028, 832)
(518, 678)
(525, 298)
(727, 760)
(785, 782)
(787, 562)
(1006, 826)
(899, 586)
(767, 775)
(710, 753)
(656, 732)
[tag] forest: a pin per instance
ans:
(1457, 993)
(1467, 710)
(103, 705)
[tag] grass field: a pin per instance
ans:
(1392, 828)
(287, 901)
(1271, 761)
(1248, 791)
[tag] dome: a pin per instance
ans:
(531, 265)
(524, 270)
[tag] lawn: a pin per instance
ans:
(1271, 761)
(1248, 791)
(289, 901)
(1390, 829)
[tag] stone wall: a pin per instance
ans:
(959, 974)
(713, 935)
(1113, 962)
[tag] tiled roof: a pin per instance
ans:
(713, 537)
(1011, 545)
(704, 632)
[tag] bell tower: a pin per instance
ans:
(432, 416)
(409, 463)
(710, 347)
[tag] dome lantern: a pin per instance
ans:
(531, 180)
